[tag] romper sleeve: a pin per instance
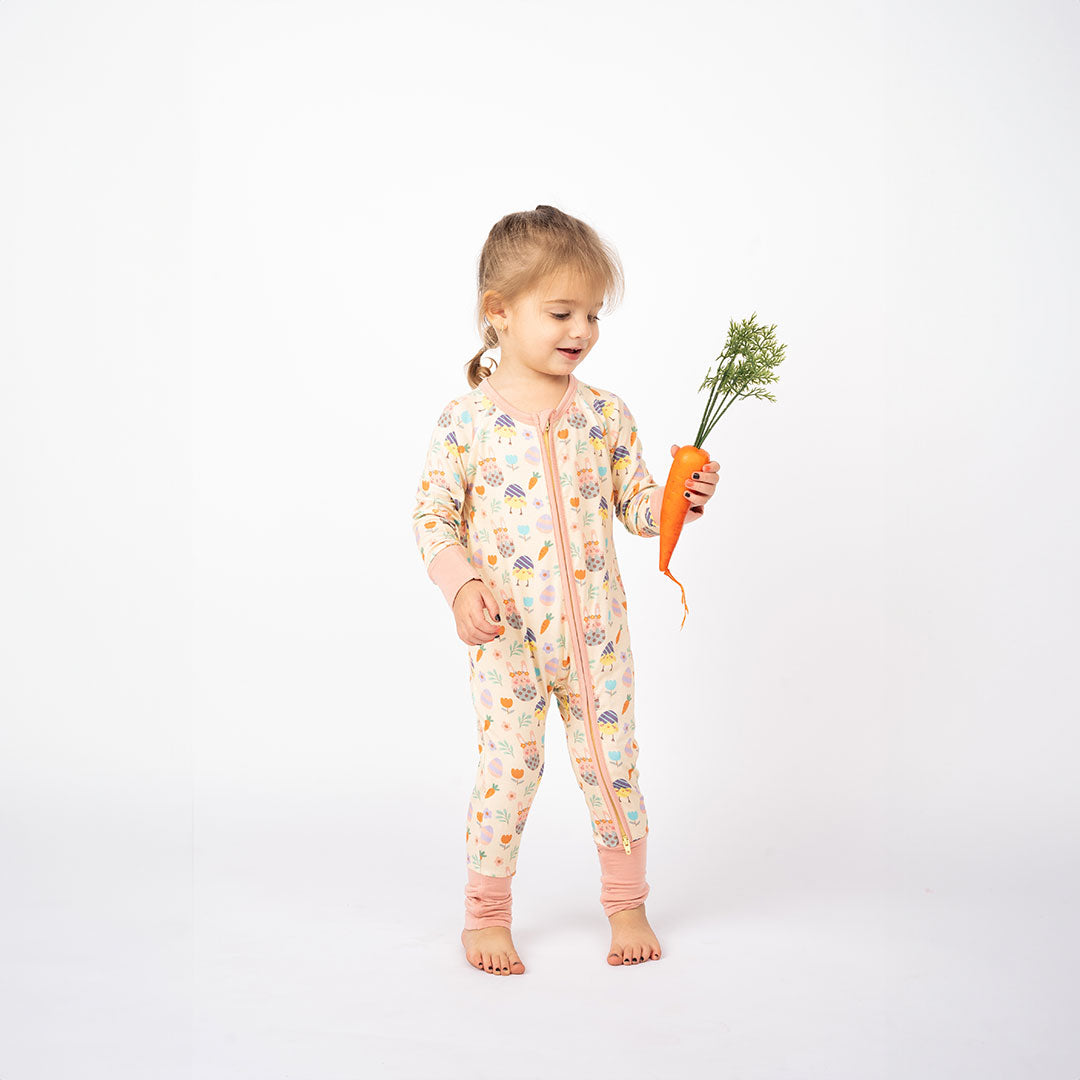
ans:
(637, 496)
(438, 518)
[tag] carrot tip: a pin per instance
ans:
(686, 610)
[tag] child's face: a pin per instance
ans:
(561, 314)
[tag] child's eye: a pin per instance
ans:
(566, 315)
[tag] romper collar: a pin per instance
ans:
(530, 418)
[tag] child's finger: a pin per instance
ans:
(485, 626)
(701, 480)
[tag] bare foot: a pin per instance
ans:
(492, 949)
(632, 938)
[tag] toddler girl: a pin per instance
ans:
(524, 476)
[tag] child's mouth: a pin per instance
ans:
(570, 352)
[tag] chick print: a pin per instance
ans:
(623, 789)
(450, 443)
(607, 657)
(505, 427)
(605, 408)
(596, 438)
(524, 570)
(515, 498)
(608, 723)
(620, 462)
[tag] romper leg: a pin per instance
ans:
(602, 744)
(511, 704)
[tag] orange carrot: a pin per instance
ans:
(687, 460)
(733, 379)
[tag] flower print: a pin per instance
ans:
(538, 504)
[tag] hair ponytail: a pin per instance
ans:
(474, 370)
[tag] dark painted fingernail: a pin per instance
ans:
(686, 494)
(498, 618)
(697, 475)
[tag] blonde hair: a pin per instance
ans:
(528, 248)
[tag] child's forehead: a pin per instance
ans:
(570, 290)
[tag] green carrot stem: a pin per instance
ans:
(734, 379)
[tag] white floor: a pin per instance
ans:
(293, 960)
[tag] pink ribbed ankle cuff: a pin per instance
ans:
(488, 900)
(622, 876)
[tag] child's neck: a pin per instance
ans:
(529, 390)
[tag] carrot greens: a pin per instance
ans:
(748, 359)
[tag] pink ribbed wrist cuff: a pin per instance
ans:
(622, 876)
(450, 569)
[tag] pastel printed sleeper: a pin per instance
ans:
(525, 502)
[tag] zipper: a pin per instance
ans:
(555, 490)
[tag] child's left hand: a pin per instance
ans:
(702, 486)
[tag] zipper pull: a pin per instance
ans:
(626, 844)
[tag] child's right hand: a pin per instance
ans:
(476, 612)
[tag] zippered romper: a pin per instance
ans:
(525, 503)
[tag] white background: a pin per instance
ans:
(238, 247)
